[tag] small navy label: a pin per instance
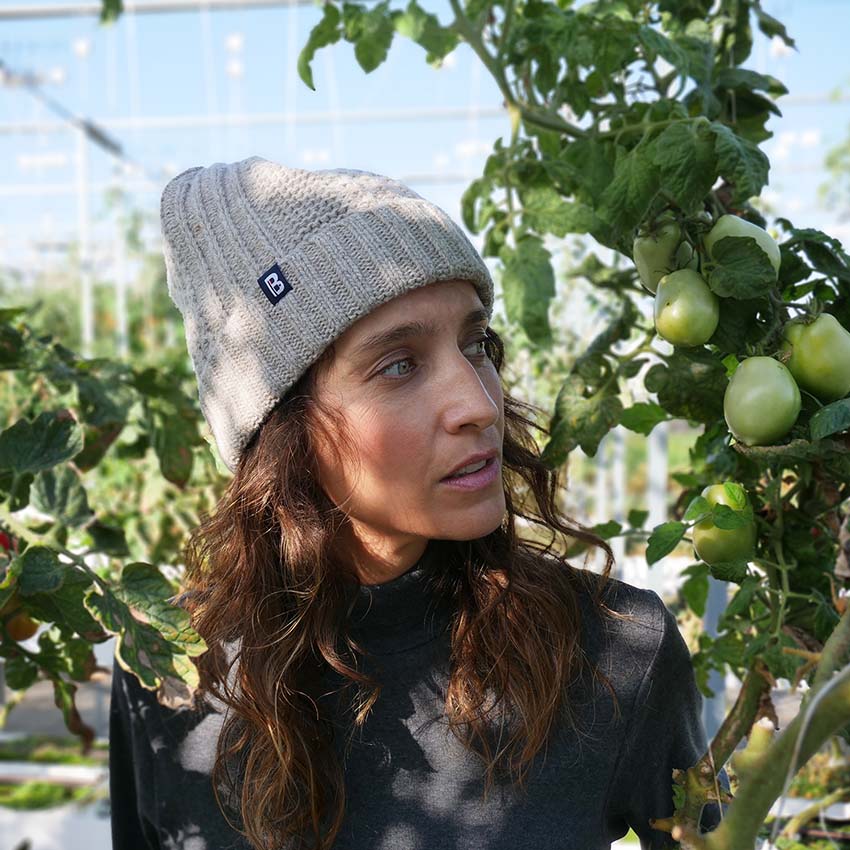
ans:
(274, 284)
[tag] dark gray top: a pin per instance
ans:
(410, 784)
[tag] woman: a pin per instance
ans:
(338, 326)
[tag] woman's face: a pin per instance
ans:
(416, 407)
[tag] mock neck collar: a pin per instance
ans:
(401, 613)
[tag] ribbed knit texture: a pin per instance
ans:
(345, 241)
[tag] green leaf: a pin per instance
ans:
(724, 517)
(424, 28)
(547, 212)
(686, 479)
(60, 494)
(737, 496)
(108, 539)
(637, 518)
(697, 509)
(607, 530)
(144, 589)
(771, 27)
(742, 322)
(371, 31)
(41, 571)
(140, 648)
(733, 78)
(643, 416)
(325, 32)
(663, 540)
(695, 588)
(740, 269)
(740, 162)
(110, 10)
(64, 606)
(12, 351)
(730, 363)
(740, 602)
(579, 421)
(686, 162)
(528, 285)
(625, 201)
(734, 571)
(20, 672)
(51, 439)
(831, 419)
(690, 384)
(657, 44)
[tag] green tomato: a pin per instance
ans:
(714, 545)
(733, 225)
(820, 356)
(761, 402)
(686, 310)
(659, 253)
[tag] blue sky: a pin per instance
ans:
(189, 64)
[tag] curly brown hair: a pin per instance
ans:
(262, 574)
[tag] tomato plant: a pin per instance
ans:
(819, 356)
(686, 310)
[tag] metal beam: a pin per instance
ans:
(85, 10)
(262, 118)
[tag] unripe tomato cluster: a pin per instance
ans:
(762, 400)
(20, 626)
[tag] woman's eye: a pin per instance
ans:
(481, 341)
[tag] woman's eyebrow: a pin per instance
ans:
(398, 333)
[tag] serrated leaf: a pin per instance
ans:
(60, 494)
(424, 28)
(20, 672)
(607, 530)
(740, 162)
(145, 590)
(737, 496)
(65, 605)
(685, 158)
(734, 571)
(698, 507)
(663, 540)
(624, 203)
(528, 285)
(30, 447)
(547, 212)
(690, 384)
(637, 518)
(724, 517)
(140, 648)
(730, 363)
(831, 419)
(735, 77)
(740, 269)
(643, 416)
(695, 588)
(324, 33)
(40, 571)
(740, 602)
(579, 421)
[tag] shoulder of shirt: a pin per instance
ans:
(626, 645)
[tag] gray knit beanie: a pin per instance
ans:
(269, 264)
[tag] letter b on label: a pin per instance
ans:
(274, 284)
